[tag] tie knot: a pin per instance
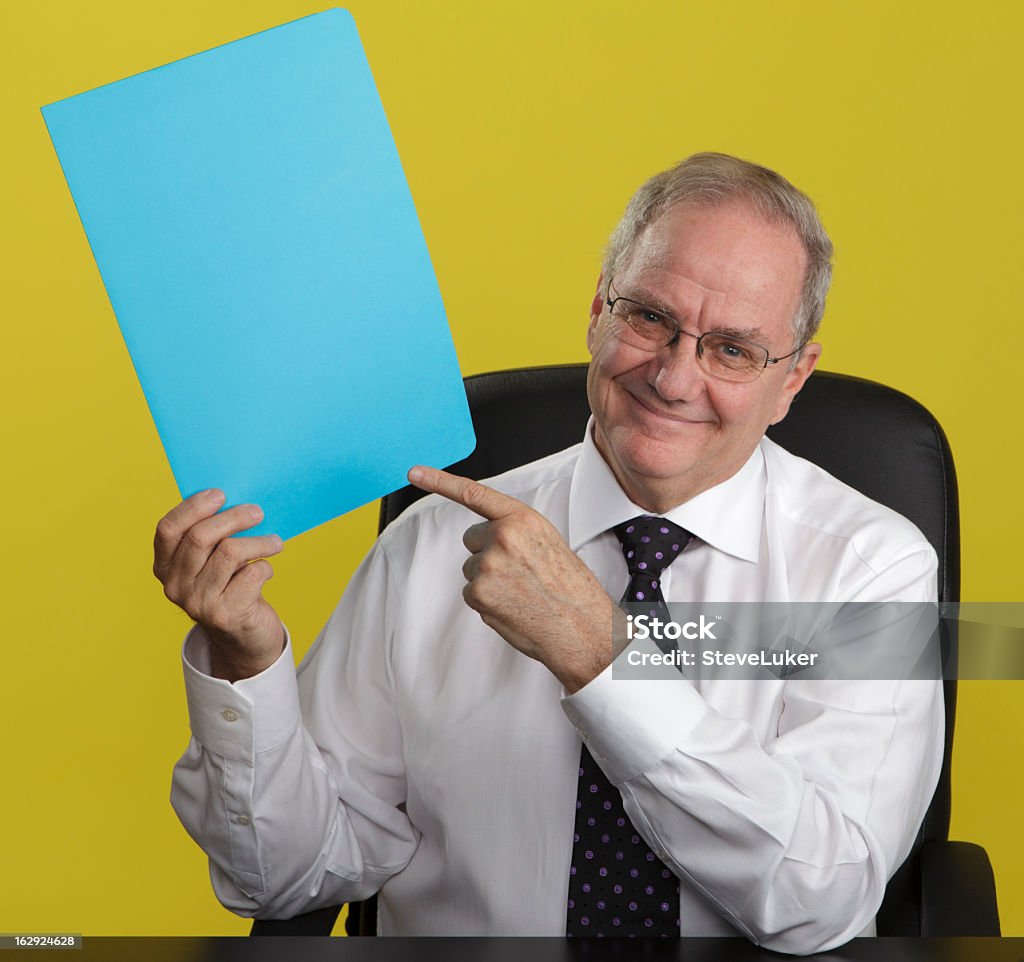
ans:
(651, 544)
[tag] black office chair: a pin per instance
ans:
(877, 440)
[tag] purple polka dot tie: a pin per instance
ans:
(617, 885)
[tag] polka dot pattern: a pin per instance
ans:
(649, 546)
(616, 885)
(631, 893)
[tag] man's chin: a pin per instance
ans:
(655, 456)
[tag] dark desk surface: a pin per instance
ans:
(515, 950)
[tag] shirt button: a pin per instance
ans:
(230, 714)
(242, 819)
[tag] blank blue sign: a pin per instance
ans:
(250, 218)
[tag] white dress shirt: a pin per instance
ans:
(415, 752)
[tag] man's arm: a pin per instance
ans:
(254, 790)
(791, 834)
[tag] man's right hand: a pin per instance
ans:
(217, 580)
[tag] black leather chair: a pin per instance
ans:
(877, 440)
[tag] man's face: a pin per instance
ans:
(667, 429)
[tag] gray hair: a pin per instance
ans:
(710, 179)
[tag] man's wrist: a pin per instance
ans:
(581, 671)
(234, 667)
(602, 640)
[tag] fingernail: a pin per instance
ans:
(416, 475)
(276, 538)
(214, 494)
(256, 511)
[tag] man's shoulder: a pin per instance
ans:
(806, 496)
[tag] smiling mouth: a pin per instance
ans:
(660, 414)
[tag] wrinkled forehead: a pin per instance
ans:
(717, 266)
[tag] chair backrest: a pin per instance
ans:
(873, 438)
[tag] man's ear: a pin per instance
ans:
(795, 380)
(596, 307)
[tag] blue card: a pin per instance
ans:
(250, 218)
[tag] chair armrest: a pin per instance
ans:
(317, 922)
(958, 891)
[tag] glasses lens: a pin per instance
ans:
(641, 325)
(731, 358)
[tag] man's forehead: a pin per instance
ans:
(671, 293)
(724, 262)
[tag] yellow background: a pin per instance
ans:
(523, 128)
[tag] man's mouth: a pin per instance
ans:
(659, 412)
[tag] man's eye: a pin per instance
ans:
(643, 315)
(733, 352)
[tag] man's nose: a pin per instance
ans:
(677, 374)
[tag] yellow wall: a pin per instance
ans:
(523, 127)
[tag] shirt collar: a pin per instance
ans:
(728, 516)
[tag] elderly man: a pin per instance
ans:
(455, 738)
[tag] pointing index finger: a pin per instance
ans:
(485, 501)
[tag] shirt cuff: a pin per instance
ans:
(240, 720)
(630, 724)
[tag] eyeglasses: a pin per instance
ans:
(720, 355)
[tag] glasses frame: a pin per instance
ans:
(699, 338)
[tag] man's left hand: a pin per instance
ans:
(527, 584)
